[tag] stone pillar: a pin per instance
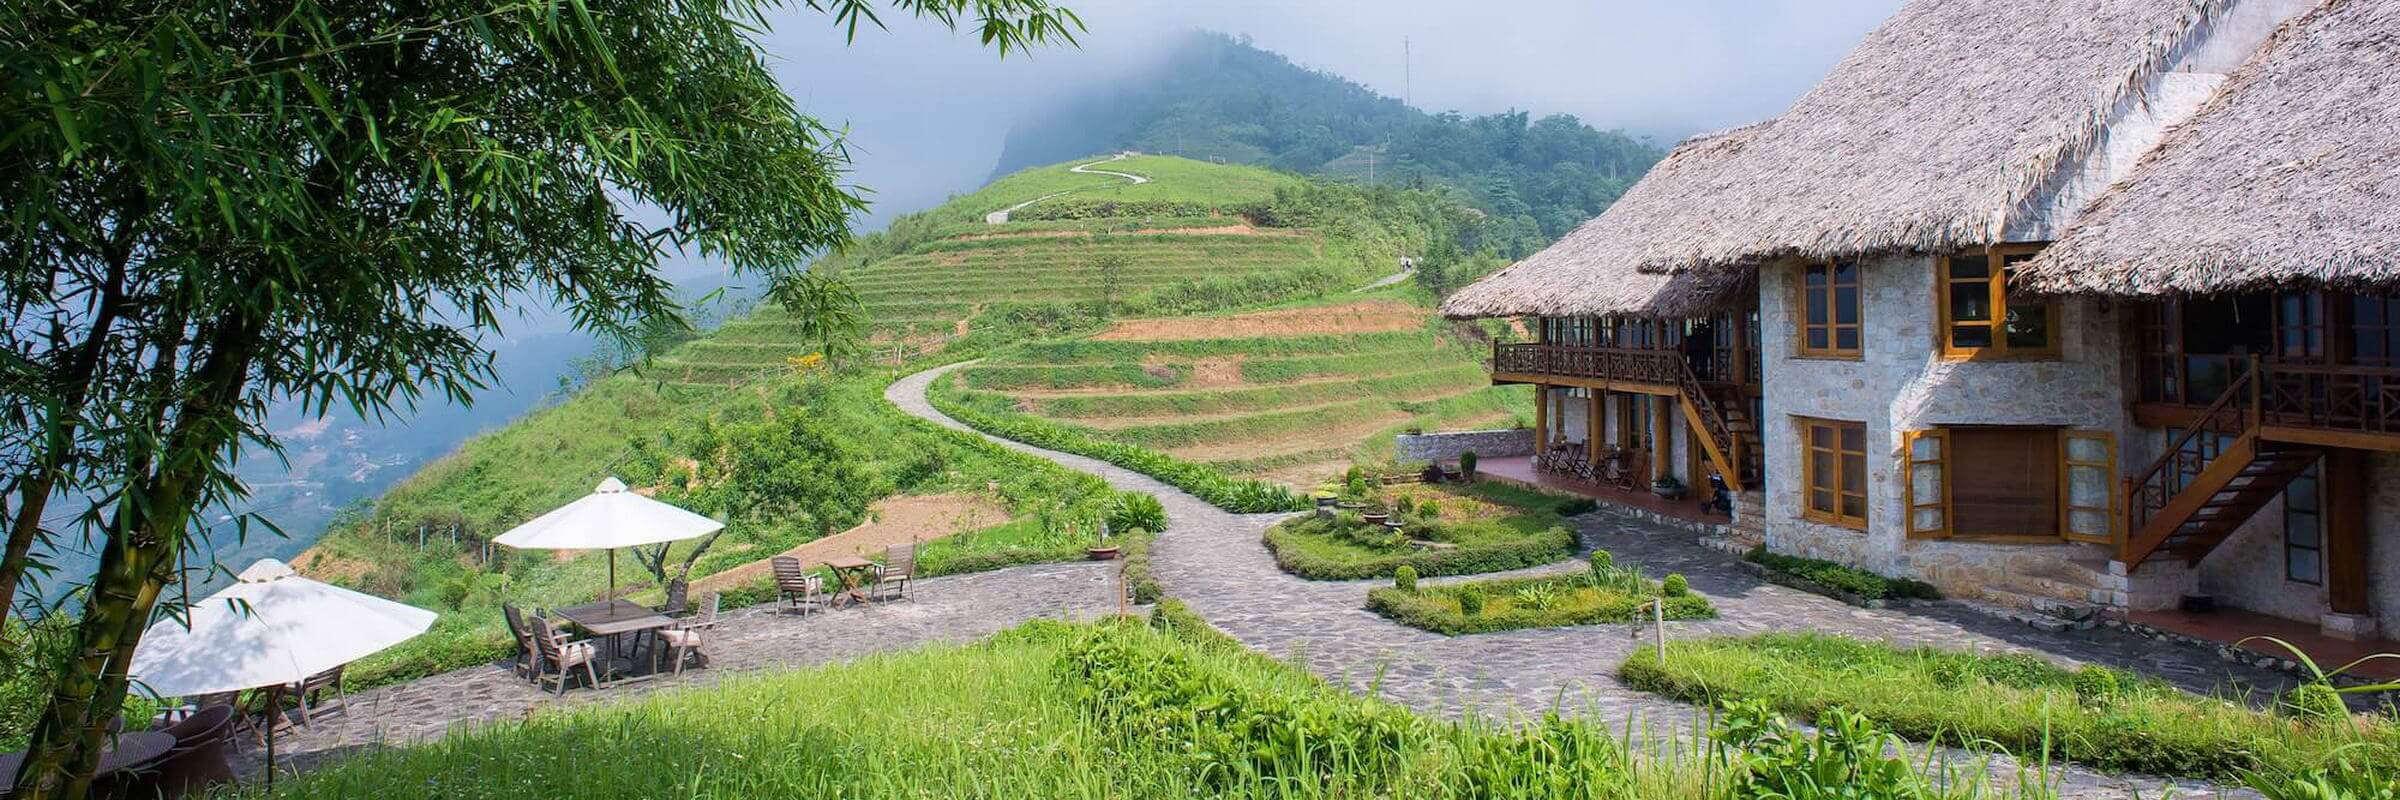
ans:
(2344, 492)
(2158, 585)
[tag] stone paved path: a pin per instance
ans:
(958, 608)
(1213, 561)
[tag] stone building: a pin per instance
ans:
(2042, 302)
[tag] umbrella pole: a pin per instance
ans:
(612, 574)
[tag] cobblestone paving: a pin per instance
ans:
(958, 608)
(1212, 560)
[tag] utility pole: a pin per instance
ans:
(1370, 166)
(1408, 85)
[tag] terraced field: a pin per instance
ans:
(941, 288)
(1294, 395)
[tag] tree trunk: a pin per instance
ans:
(89, 687)
(679, 591)
(73, 390)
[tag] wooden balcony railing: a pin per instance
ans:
(2332, 397)
(1661, 367)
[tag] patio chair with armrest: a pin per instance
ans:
(528, 660)
(687, 636)
(891, 577)
(314, 686)
(197, 760)
(560, 656)
(797, 587)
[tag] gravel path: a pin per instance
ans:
(1212, 560)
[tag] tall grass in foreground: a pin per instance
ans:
(2019, 702)
(1116, 710)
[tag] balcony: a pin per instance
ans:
(2334, 405)
(1657, 371)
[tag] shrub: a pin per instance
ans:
(1578, 507)
(2096, 685)
(1406, 504)
(1430, 509)
(1514, 603)
(1866, 585)
(1470, 600)
(1675, 585)
(1136, 511)
(1140, 583)
(1404, 578)
(1466, 464)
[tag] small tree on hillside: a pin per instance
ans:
(1111, 269)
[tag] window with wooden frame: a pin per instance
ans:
(2304, 527)
(1834, 471)
(1829, 310)
(2011, 482)
(1977, 319)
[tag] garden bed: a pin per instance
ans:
(1603, 595)
(2094, 716)
(1848, 584)
(1444, 531)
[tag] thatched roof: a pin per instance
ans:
(2289, 176)
(1932, 134)
(1592, 270)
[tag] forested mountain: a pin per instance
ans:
(1214, 96)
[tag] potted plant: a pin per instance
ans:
(1667, 487)
(1101, 549)
(1326, 496)
(1375, 514)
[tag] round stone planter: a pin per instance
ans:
(1375, 518)
(1101, 553)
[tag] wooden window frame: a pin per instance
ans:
(1937, 460)
(1808, 473)
(1995, 282)
(2316, 474)
(1832, 326)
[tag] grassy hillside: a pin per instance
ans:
(1172, 180)
(739, 423)
(1293, 394)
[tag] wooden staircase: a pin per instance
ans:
(2214, 476)
(1716, 433)
(1750, 448)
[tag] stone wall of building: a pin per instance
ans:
(2248, 571)
(1900, 383)
(1445, 446)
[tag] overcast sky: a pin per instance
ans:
(927, 109)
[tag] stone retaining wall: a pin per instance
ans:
(1445, 446)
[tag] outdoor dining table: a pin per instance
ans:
(853, 571)
(615, 618)
(132, 751)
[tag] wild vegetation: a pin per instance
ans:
(1099, 711)
(2093, 715)
(1444, 531)
(1843, 577)
(1605, 593)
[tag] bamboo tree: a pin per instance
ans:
(338, 199)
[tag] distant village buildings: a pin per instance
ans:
(2046, 303)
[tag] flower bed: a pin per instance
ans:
(1444, 531)
(1848, 584)
(1603, 595)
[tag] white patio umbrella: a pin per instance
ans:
(270, 628)
(609, 518)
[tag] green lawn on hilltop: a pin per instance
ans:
(1172, 179)
(1050, 710)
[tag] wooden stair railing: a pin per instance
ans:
(1716, 438)
(2214, 475)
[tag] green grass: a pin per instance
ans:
(1485, 534)
(1172, 180)
(1507, 604)
(1048, 710)
(2018, 702)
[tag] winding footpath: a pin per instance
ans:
(1000, 217)
(1212, 560)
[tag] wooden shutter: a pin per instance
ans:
(2087, 478)
(1926, 474)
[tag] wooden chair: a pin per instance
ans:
(800, 589)
(316, 684)
(687, 637)
(528, 661)
(560, 656)
(891, 577)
